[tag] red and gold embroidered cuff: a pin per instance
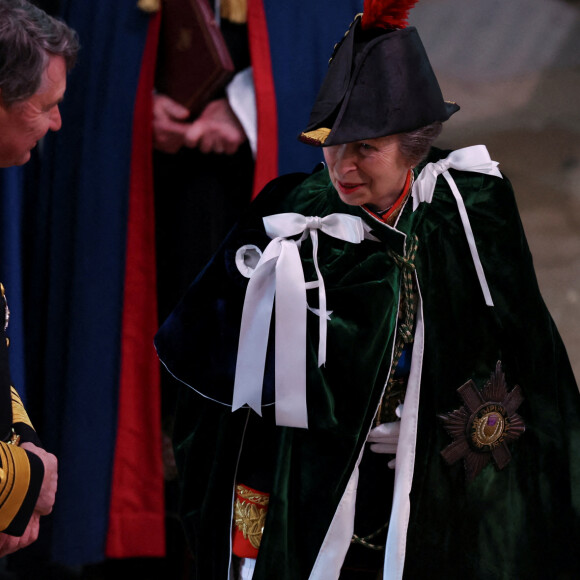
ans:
(250, 509)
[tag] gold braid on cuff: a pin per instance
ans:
(250, 511)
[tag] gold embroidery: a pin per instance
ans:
(250, 521)
(316, 137)
(19, 414)
(250, 511)
(14, 438)
(250, 495)
(489, 427)
(14, 483)
(234, 10)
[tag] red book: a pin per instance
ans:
(193, 59)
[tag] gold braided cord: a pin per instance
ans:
(396, 387)
(404, 329)
(366, 540)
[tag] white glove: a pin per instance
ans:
(385, 437)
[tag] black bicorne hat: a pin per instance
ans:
(379, 82)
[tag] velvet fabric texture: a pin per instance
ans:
(519, 522)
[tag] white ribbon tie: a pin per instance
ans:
(475, 159)
(279, 273)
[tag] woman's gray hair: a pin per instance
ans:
(415, 145)
(28, 37)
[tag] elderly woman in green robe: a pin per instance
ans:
(374, 387)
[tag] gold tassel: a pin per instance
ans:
(234, 10)
(149, 5)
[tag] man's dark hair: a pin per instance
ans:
(28, 37)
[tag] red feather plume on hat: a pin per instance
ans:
(386, 13)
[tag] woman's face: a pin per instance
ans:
(370, 172)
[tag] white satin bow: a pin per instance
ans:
(474, 159)
(279, 273)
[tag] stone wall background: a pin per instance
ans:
(514, 68)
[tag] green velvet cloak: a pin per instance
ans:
(520, 522)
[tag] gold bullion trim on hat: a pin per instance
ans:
(316, 137)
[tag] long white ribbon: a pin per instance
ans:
(475, 159)
(279, 273)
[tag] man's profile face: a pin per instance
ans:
(24, 123)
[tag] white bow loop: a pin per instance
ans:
(338, 225)
(475, 159)
(279, 273)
